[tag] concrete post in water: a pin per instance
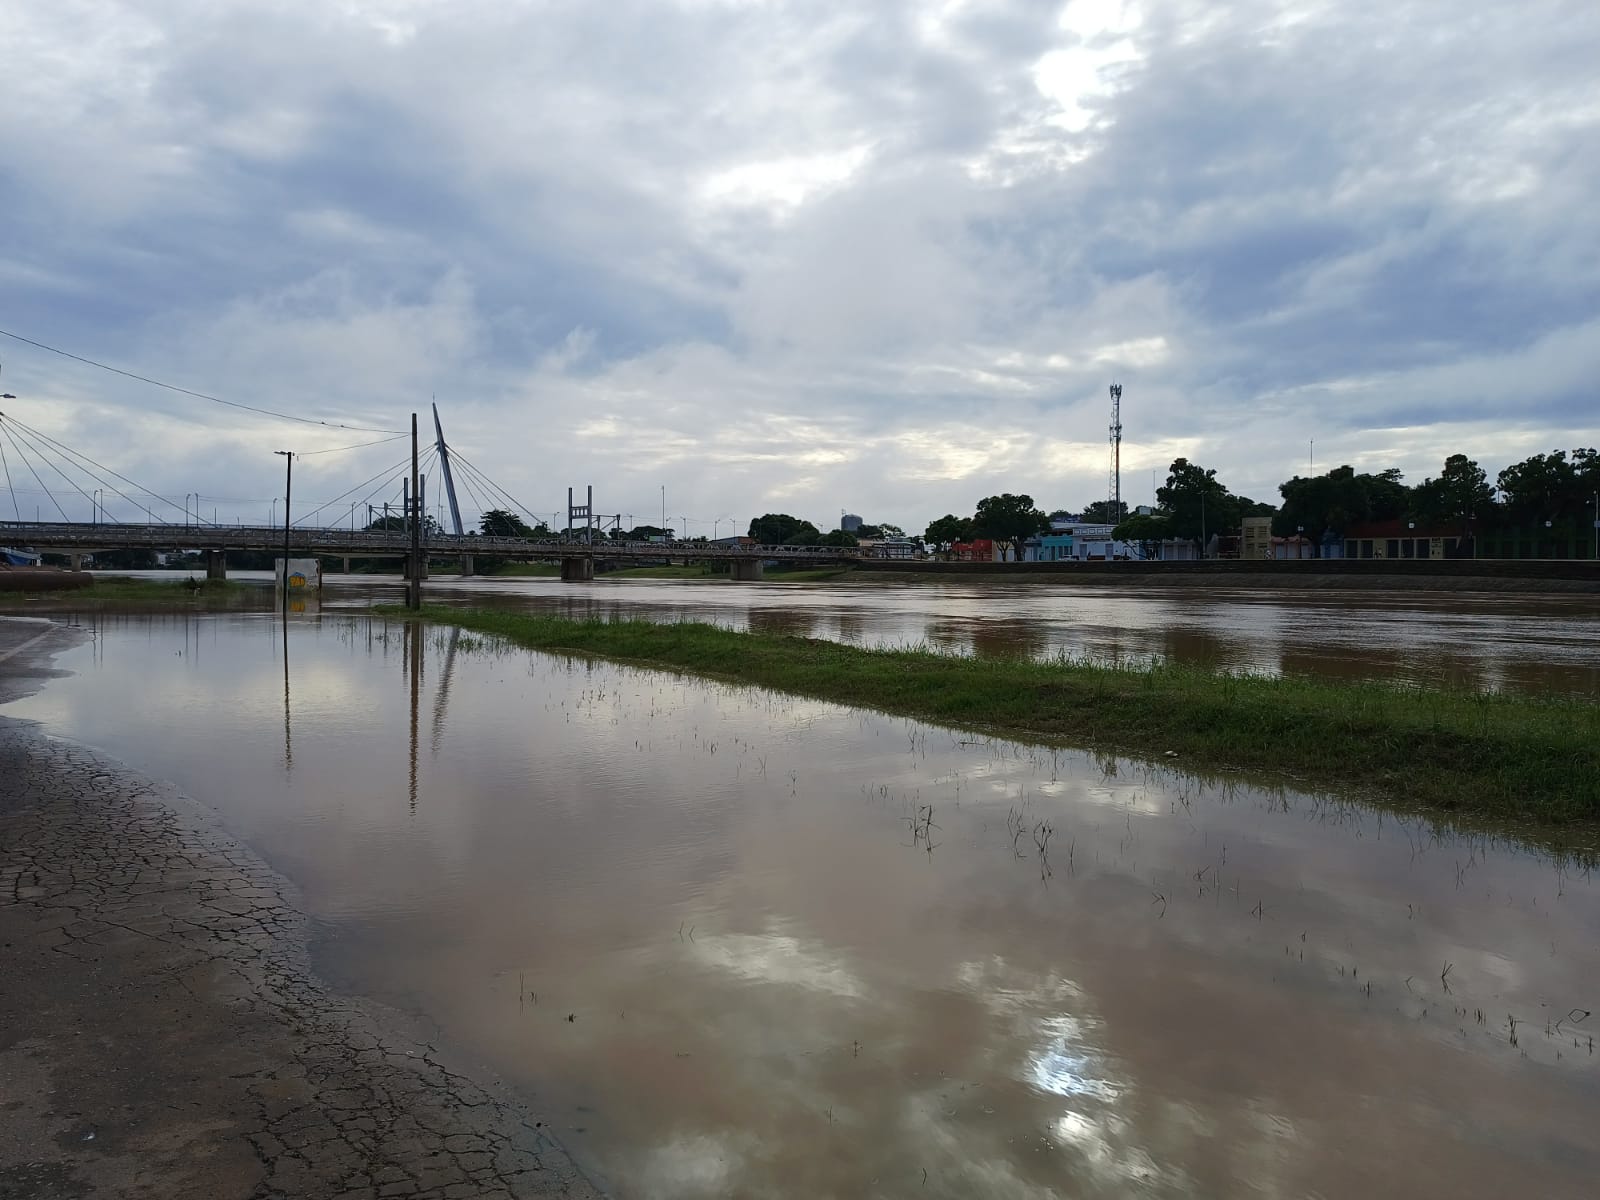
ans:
(75, 562)
(467, 565)
(577, 568)
(747, 570)
(216, 564)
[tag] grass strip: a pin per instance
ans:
(1505, 757)
(204, 593)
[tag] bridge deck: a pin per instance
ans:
(87, 538)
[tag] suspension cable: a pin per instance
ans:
(6, 431)
(9, 487)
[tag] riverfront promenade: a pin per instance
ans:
(161, 1032)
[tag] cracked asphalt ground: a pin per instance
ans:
(161, 1032)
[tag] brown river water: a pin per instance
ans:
(1535, 645)
(738, 944)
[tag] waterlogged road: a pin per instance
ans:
(746, 945)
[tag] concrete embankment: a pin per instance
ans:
(162, 1033)
(1531, 577)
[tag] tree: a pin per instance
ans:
(1146, 529)
(838, 537)
(1460, 493)
(1009, 518)
(873, 532)
(1338, 500)
(387, 525)
(891, 531)
(1545, 487)
(1100, 512)
(1196, 503)
(780, 529)
(645, 533)
(500, 522)
(949, 529)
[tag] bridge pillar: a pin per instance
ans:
(467, 565)
(216, 564)
(577, 569)
(75, 562)
(346, 564)
(747, 570)
(417, 568)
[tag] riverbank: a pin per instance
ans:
(161, 1030)
(1509, 576)
(103, 591)
(1470, 754)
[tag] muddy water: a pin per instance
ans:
(1530, 644)
(741, 945)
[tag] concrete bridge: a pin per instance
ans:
(577, 558)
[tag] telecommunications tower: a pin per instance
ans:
(1115, 482)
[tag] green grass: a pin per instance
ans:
(809, 574)
(1469, 753)
(220, 593)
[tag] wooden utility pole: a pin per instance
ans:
(414, 583)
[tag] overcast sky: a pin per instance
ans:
(880, 256)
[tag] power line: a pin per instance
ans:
(357, 446)
(172, 387)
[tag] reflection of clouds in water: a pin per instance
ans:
(1063, 1065)
(1096, 1143)
(1050, 1016)
(777, 958)
(690, 1166)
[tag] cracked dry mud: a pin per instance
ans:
(162, 1034)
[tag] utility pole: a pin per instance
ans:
(414, 583)
(1116, 454)
(288, 491)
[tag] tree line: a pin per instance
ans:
(1559, 487)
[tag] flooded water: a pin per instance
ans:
(1534, 645)
(738, 944)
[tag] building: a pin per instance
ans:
(1054, 546)
(1255, 537)
(1296, 547)
(980, 550)
(899, 549)
(850, 522)
(1405, 539)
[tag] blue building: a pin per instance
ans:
(1048, 547)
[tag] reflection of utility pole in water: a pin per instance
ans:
(414, 654)
(288, 741)
(441, 697)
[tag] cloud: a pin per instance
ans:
(880, 257)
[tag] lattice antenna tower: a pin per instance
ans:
(1114, 484)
